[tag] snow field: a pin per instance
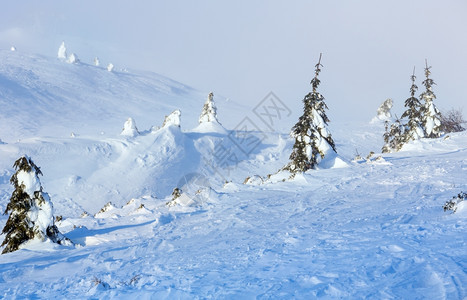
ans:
(351, 229)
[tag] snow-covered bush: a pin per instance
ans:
(110, 67)
(96, 61)
(31, 211)
(72, 59)
(173, 119)
(129, 128)
(454, 202)
(209, 112)
(453, 121)
(62, 52)
(13, 48)
(312, 139)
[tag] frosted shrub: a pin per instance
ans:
(453, 121)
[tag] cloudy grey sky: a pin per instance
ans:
(244, 49)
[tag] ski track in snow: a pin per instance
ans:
(370, 230)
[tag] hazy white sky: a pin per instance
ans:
(244, 49)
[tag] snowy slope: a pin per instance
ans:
(373, 229)
(45, 96)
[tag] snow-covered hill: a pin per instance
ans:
(43, 96)
(369, 229)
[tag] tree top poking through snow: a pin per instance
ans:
(209, 112)
(62, 55)
(173, 119)
(129, 128)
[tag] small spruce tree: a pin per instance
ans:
(62, 55)
(312, 139)
(175, 195)
(393, 136)
(209, 112)
(31, 211)
(431, 116)
(414, 130)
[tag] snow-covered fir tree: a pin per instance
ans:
(175, 195)
(110, 67)
(312, 139)
(96, 61)
(431, 116)
(413, 130)
(209, 112)
(31, 211)
(173, 119)
(62, 52)
(129, 128)
(394, 136)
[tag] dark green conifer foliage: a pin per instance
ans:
(413, 113)
(393, 136)
(312, 140)
(19, 227)
(176, 193)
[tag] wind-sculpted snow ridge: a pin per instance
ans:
(373, 229)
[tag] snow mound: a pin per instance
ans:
(332, 161)
(210, 127)
(462, 209)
